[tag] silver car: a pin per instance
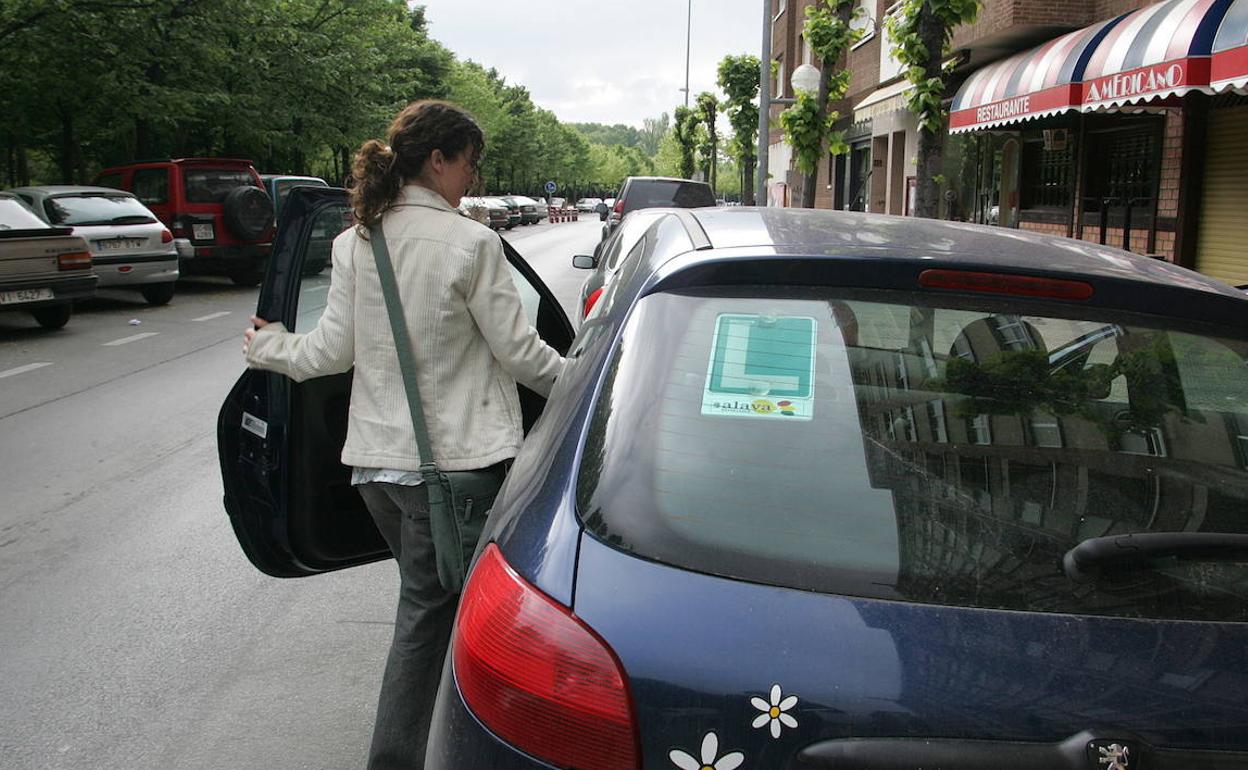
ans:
(609, 255)
(129, 246)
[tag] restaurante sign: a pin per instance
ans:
(1010, 108)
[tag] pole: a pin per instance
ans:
(764, 109)
(688, 39)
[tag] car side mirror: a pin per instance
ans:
(584, 262)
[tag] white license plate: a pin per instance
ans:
(24, 295)
(202, 232)
(120, 244)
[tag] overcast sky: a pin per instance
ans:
(605, 61)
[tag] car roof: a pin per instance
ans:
(741, 245)
(267, 177)
(661, 179)
(53, 190)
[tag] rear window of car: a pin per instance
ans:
(80, 210)
(14, 215)
(211, 185)
(658, 193)
(880, 445)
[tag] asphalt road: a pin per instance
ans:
(135, 634)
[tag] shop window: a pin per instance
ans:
(1123, 168)
(1048, 175)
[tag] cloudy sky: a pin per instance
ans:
(600, 61)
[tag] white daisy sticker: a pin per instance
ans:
(709, 761)
(774, 712)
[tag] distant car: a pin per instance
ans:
(530, 211)
(217, 205)
(514, 216)
(43, 269)
(648, 192)
(558, 203)
(588, 204)
(609, 255)
(496, 217)
(822, 489)
(130, 248)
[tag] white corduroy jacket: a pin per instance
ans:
(472, 341)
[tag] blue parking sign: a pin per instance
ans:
(551, 187)
(761, 366)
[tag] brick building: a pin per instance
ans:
(1117, 121)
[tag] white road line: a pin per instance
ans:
(132, 338)
(211, 316)
(24, 369)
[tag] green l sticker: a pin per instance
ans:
(761, 366)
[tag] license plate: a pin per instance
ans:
(202, 232)
(24, 295)
(120, 244)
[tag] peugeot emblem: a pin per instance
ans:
(1112, 755)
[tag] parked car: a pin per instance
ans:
(530, 211)
(513, 210)
(609, 255)
(588, 204)
(218, 205)
(278, 185)
(497, 216)
(43, 269)
(648, 192)
(130, 248)
(825, 489)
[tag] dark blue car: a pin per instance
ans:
(828, 490)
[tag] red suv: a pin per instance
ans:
(217, 208)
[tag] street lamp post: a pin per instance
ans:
(688, 38)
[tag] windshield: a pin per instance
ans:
(88, 209)
(881, 446)
(211, 185)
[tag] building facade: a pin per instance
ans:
(1116, 121)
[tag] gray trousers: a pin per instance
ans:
(422, 628)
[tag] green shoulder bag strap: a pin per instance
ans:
(407, 365)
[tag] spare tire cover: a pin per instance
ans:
(248, 212)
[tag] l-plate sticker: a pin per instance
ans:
(761, 366)
(253, 424)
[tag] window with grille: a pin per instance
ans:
(1048, 176)
(1123, 167)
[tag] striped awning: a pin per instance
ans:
(889, 98)
(1040, 82)
(1159, 51)
(1229, 68)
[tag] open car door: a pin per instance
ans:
(288, 496)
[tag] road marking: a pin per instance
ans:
(211, 316)
(24, 369)
(132, 338)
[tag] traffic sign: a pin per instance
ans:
(551, 187)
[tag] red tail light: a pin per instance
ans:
(74, 260)
(619, 206)
(537, 676)
(166, 236)
(1004, 283)
(591, 301)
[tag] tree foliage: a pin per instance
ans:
(294, 85)
(738, 78)
(921, 31)
(685, 132)
(708, 141)
(808, 125)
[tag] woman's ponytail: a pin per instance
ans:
(375, 183)
(380, 171)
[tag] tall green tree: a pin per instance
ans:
(738, 78)
(685, 132)
(921, 31)
(708, 147)
(808, 125)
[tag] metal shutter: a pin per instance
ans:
(1222, 246)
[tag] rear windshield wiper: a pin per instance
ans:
(1084, 562)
